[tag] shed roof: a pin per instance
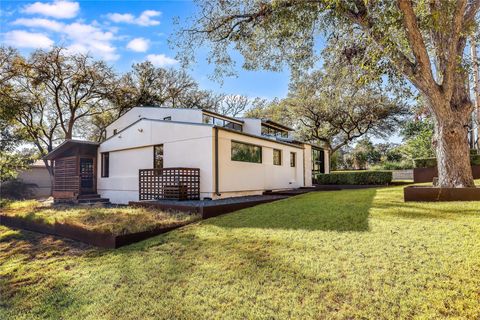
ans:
(68, 145)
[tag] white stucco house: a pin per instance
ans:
(152, 152)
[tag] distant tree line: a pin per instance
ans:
(53, 95)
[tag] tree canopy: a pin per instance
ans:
(423, 41)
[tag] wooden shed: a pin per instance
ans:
(75, 169)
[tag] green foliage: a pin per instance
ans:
(417, 136)
(16, 190)
(355, 178)
(393, 165)
(13, 162)
(432, 162)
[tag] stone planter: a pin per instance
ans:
(434, 194)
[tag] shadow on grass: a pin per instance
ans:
(327, 211)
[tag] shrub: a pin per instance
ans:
(432, 162)
(393, 165)
(16, 189)
(355, 178)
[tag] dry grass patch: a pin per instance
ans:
(113, 220)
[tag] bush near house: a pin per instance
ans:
(432, 162)
(356, 178)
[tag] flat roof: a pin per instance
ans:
(215, 114)
(271, 123)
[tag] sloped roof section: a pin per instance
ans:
(66, 147)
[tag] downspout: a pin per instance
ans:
(217, 188)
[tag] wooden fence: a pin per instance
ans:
(169, 183)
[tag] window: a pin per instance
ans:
(293, 159)
(246, 152)
(158, 156)
(115, 131)
(105, 165)
(221, 122)
(207, 119)
(272, 132)
(167, 118)
(277, 157)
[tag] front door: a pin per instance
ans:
(87, 176)
(318, 163)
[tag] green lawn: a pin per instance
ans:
(328, 255)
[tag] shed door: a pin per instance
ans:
(87, 175)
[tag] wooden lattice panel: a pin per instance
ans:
(169, 183)
(66, 176)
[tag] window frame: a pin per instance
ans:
(280, 157)
(293, 159)
(105, 164)
(155, 155)
(247, 144)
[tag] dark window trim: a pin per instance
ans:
(277, 164)
(293, 159)
(249, 144)
(154, 159)
(105, 164)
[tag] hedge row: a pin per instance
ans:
(432, 162)
(356, 178)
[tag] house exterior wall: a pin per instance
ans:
(177, 114)
(307, 162)
(185, 145)
(252, 126)
(242, 178)
(38, 176)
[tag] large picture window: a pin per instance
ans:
(277, 157)
(158, 156)
(105, 165)
(246, 152)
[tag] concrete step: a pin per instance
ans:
(89, 196)
(93, 200)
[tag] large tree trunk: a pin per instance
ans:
(452, 148)
(476, 89)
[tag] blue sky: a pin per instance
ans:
(122, 32)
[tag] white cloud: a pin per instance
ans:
(87, 38)
(119, 17)
(24, 39)
(59, 9)
(161, 60)
(144, 19)
(40, 23)
(139, 45)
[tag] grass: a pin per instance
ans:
(112, 220)
(353, 254)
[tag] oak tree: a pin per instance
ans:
(422, 40)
